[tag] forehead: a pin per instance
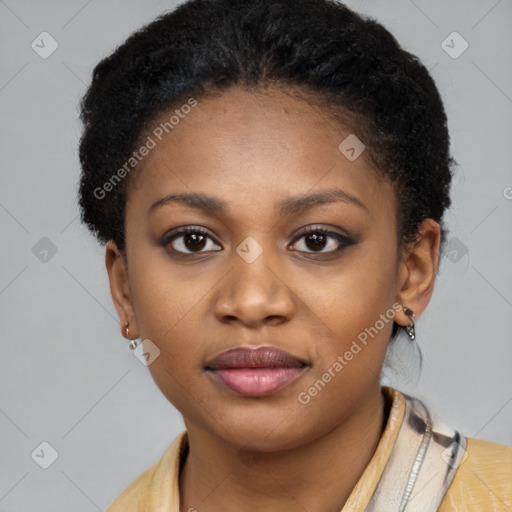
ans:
(271, 143)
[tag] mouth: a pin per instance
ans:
(255, 372)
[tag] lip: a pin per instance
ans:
(257, 371)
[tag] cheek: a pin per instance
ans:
(171, 310)
(352, 297)
(163, 297)
(353, 309)
(167, 315)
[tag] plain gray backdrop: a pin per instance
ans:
(67, 376)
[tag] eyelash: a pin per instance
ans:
(343, 240)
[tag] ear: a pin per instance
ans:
(418, 270)
(120, 289)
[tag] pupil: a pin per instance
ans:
(196, 241)
(318, 241)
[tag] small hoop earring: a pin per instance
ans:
(133, 343)
(409, 329)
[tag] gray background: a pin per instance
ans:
(67, 375)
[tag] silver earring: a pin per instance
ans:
(133, 343)
(409, 329)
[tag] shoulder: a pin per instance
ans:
(481, 471)
(156, 485)
(483, 481)
(136, 495)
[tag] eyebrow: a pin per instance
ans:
(289, 206)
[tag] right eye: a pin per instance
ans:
(189, 240)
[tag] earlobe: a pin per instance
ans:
(119, 289)
(418, 271)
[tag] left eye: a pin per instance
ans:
(317, 239)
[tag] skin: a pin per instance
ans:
(253, 151)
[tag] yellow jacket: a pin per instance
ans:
(480, 480)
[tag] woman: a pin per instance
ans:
(270, 180)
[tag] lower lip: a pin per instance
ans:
(257, 381)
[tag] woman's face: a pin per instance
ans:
(255, 277)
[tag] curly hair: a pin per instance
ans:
(348, 62)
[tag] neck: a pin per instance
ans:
(216, 476)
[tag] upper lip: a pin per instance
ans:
(260, 357)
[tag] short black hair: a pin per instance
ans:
(347, 61)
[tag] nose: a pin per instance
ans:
(255, 294)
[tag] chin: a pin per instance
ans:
(264, 429)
